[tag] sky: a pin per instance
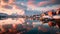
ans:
(20, 6)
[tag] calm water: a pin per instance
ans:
(36, 26)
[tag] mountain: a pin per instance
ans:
(30, 13)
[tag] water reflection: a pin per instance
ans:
(25, 26)
(11, 21)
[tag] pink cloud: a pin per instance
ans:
(53, 0)
(31, 0)
(11, 8)
(31, 4)
(43, 3)
(11, 1)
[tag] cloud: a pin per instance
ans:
(48, 2)
(31, 4)
(11, 1)
(6, 7)
(11, 11)
(46, 8)
(17, 6)
(43, 3)
(31, 0)
(55, 1)
(2, 3)
(7, 2)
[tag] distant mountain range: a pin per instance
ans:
(30, 13)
